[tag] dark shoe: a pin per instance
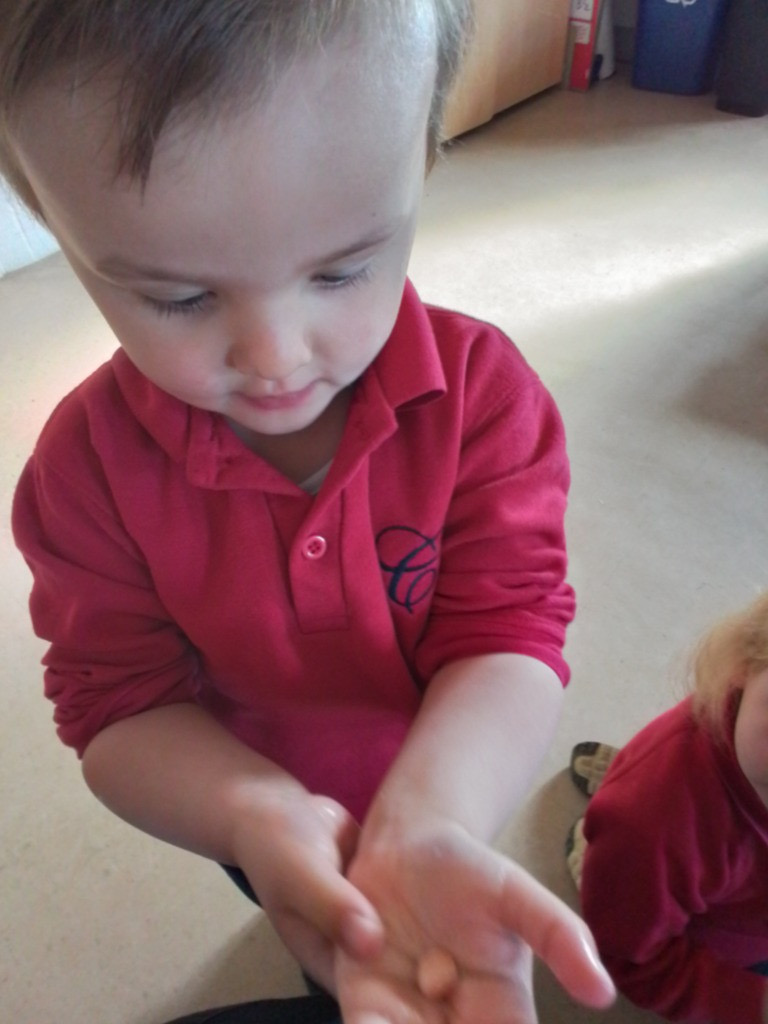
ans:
(575, 848)
(589, 763)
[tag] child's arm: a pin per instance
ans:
(425, 861)
(175, 773)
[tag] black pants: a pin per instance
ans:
(316, 1009)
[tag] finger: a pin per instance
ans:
(315, 954)
(314, 891)
(341, 913)
(557, 935)
(311, 885)
(361, 933)
(344, 829)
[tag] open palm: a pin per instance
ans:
(450, 892)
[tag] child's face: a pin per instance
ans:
(751, 732)
(262, 269)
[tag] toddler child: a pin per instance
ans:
(297, 548)
(674, 860)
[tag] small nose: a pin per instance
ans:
(271, 344)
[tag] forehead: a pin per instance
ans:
(352, 69)
(379, 51)
(345, 125)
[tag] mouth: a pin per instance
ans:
(284, 400)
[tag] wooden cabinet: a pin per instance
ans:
(518, 50)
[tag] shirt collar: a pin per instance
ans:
(409, 367)
(407, 371)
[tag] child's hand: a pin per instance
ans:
(447, 892)
(294, 853)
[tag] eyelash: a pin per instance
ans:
(185, 307)
(332, 282)
(197, 303)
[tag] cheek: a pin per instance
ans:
(372, 314)
(751, 739)
(172, 348)
(353, 335)
(182, 368)
(368, 337)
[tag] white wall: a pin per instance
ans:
(22, 239)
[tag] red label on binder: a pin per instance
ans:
(582, 35)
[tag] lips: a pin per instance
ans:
(285, 400)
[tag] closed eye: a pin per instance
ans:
(334, 281)
(170, 307)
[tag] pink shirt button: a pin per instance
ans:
(314, 547)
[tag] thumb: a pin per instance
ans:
(331, 903)
(334, 906)
(558, 936)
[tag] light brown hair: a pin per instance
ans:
(178, 57)
(729, 654)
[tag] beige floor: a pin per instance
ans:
(622, 239)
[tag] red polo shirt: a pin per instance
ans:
(171, 563)
(675, 881)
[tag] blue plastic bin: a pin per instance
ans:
(676, 45)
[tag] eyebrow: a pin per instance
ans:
(118, 266)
